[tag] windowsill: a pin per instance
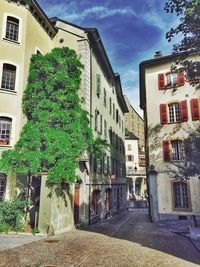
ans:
(11, 41)
(5, 146)
(177, 161)
(182, 209)
(10, 92)
(174, 122)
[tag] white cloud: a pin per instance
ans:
(72, 13)
(130, 74)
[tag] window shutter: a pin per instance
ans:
(161, 81)
(181, 78)
(163, 113)
(194, 103)
(166, 150)
(184, 110)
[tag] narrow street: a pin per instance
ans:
(128, 239)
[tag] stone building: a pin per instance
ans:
(101, 189)
(171, 113)
(134, 123)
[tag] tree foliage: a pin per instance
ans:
(190, 167)
(57, 130)
(189, 13)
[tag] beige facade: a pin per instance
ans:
(167, 98)
(134, 123)
(101, 189)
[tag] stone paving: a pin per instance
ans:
(8, 241)
(128, 239)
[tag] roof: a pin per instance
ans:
(130, 136)
(152, 62)
(98, 48)
(39, 15)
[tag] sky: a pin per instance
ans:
(131, 31)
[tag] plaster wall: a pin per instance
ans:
(158, 132)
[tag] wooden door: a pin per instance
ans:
(76, 203)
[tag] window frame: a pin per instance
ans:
(184, 208)
(12, 131)
(98, 85)
(177, 150)
(5, 131)
(5, 18)
(174, 112)
(16, 86)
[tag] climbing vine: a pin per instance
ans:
(57, 130)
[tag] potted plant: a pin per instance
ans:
(4, 141)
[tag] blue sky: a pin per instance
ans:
(131, 31)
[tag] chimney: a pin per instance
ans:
(157, 54)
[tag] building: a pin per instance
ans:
(171, 113)
(135, 171)
(134, 124)
(101, 189)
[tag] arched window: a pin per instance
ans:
(5, 130)
(2, 185)
(8, 77)
(12, 29)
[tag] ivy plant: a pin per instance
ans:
(57, 129)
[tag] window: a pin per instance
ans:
(181, 195)
(99, 166)
(173, 150)
(105, 129)
(101, 124)
(130, 158)
(104, 97)
(170, 79)
(177, 150)
(2, 185)
(117, 115)
(129, 147)
(96, 119)
(5, 130)
(8, 77)
(110, 106)
(113, 111)
(174, 112)
(12, 29)
(98, 84)
(111, 135)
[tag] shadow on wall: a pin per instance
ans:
(182, 169)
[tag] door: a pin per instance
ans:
(76, 203)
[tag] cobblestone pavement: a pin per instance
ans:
(8, 241)
(128, 239)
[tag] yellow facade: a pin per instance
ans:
(36, 34)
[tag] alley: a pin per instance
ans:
(128, 239)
